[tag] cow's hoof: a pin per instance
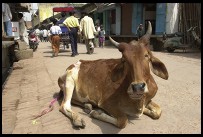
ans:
(79, 123)
(94, 113)
(88, 108)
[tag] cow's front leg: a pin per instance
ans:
(152, 110)
(120, 121)
(66, 104)
(87, 106)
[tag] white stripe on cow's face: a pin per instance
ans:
(146, 88)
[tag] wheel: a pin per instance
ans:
(170, 50)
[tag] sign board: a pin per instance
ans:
(15, 30)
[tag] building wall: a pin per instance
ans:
(46, 9)
(126, 19)
(118, 20)
(172, 17)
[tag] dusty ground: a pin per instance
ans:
(30, 89)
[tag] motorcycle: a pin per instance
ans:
(173, 41)
(197, 40)
(33, 40)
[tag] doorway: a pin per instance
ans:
(149, 14)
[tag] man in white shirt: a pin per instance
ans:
(55, 32)
(7, 17)
(88, 30)
(45, 35)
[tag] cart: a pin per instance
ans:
(65, 40)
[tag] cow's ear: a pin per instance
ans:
(158, 68)
(117, 72)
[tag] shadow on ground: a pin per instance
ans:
(190, 53)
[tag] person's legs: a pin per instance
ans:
(87, 46)
(57, 45)
(100, 42)
(25, 37)
(53, 49)
(103, 40)
(71, 35)
(91, 46)
(8, 28)
(41, 38)
(75, 40)
(5, 30)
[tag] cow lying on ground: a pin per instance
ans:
(119, 87)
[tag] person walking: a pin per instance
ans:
(73, 26)
(96, 39)
(45, 35)
(101, 36)
(37, 32)
(55, 32)
(23, 29)
(140, 31)
(7, 17)
(41, 35)
(88, 30)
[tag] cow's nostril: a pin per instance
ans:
(138, 87)
(143, 85)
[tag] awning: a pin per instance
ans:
(63, 9)
(89, 8)
(20, 7)
(106, 7)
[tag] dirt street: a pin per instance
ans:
(31, 89)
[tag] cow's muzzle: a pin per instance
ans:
(138, 87)
(137, 90)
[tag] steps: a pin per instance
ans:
(23, 51)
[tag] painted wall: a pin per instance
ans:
(172, 17)
(137, 16)
(160, 18)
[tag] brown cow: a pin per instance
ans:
(118, 87)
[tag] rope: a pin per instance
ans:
(47, 110)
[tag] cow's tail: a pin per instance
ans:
(47, 110)
(51, 105)
(62, 88)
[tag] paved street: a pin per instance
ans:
(31, 89)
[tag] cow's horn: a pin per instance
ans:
(149, 31)
(114, 42)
